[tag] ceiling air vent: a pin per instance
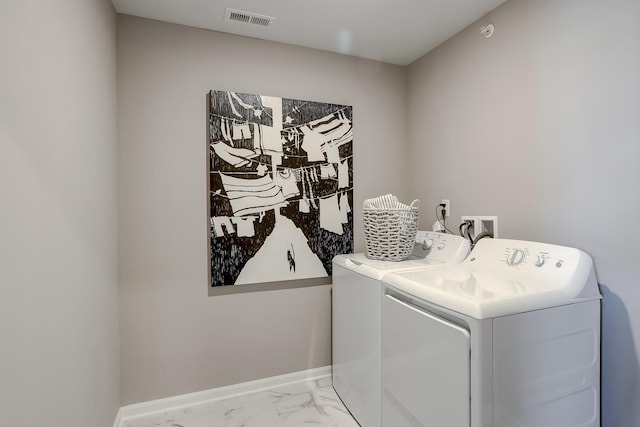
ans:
(249, 18)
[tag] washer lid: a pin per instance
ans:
(431, 249)
(502, 277)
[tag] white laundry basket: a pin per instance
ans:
(390, 228)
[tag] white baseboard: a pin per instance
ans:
(118, 420)
(177, 402)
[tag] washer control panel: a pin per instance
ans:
(528, 262)
(518, 256)
(441, 247)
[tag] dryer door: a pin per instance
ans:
(356, 343)
(425, 368)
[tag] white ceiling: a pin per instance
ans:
(394, 31)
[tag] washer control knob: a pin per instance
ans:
(516, 258)
(427, 244)
(440, 245)
(539, 261)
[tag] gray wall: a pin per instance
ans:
(540, 125)
(58, 283)
(175, 339)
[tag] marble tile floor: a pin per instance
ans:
(311, 403)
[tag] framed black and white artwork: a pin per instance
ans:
(280, 190)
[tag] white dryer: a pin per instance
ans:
(356, 308)
(510, 337)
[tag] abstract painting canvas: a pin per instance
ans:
(280, 188)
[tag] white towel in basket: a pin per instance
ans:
(388, 201)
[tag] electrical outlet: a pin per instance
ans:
(447, 207)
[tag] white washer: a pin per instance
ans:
(510, 337)
(356, 307)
